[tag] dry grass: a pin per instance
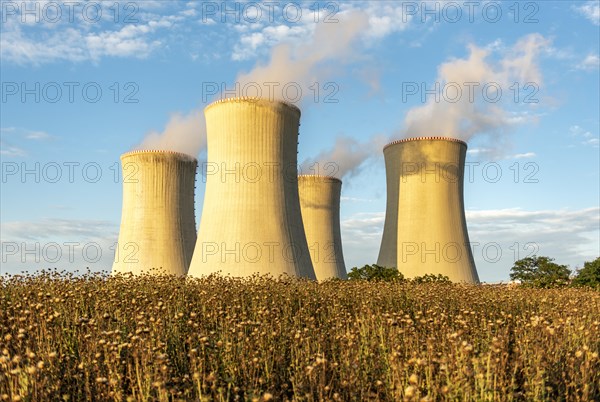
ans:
(164, 338)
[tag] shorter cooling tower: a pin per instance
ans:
(320, 204)
(158, 228)
(251, 219)
(431, 228)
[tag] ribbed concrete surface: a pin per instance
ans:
(432, 230)
(389, 241)
(320, 204)
(158, 227)
(251, 220)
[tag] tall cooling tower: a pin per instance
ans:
(389, 241)
(431, 228)
(158, 228)
(251, 220)
(320, 204)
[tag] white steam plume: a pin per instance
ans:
(462, 119)
(302, 64)
(305, 63)
(183, 133)
(474, 115)
(346, 158)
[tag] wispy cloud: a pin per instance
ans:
(569, 236)
(498, 237)
(361, 238)
(79, 40)
(26, 133)
(252, 43)
(356, 199)
(57, 243)
(585, 137)
(37, 135)
(57, 229)
(256, 39)
(489, 153)
(591, 62)
(15, 140)
(526, 155)
(590, 10)
(480, 151)
(9, 150)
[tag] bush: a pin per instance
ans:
(431, 278)
(375, 273)
(540, 272)
(589, 275)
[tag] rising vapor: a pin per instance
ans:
(463, 119)
(183, 133)
(301, 64)
(346, 158)
(306, 63)
(469, 116)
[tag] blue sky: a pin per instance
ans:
(84, 83)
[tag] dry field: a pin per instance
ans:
(100, 338)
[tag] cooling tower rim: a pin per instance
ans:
(320, 177)
(450, 139)
(253, 100)
(159, 151)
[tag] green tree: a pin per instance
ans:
(589, 275)
(375, 273)
(540, 272)
(431, 278)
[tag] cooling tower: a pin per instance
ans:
(431, 228)
(320, 204)
(389, 241)
(251, 220)
(158, 228)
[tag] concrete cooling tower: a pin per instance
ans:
(431, 230)
(158, 228)
(389, 241)
(320, 204)
(251, 220)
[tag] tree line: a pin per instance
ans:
(535, 271)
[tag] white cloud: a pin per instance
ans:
(56, 229)
(498, 237)
(9, 150)
(569, 236)
(61, 243)
(492, 153)
(591, 11)
(355, 199)
(525, 155)
(128, 41)
(589, 63)
(253, 42)
(480, 151)
(37, 135)
(361, 238)
(256, 39)
(576, 130)
(80, 40)
(585, 137)
(386, 18)
(20, 135)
